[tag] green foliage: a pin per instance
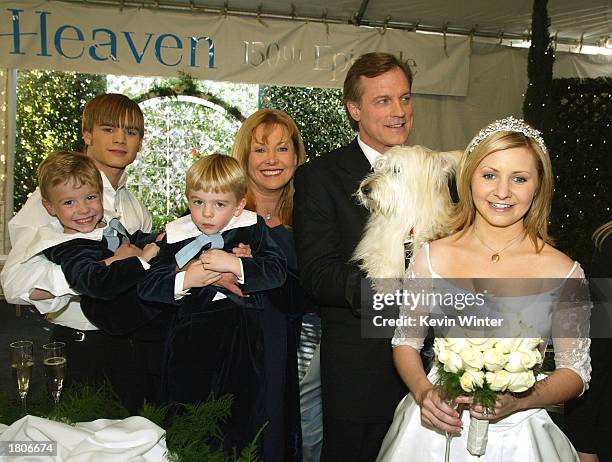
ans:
(196, 424)
(79, 403)
(49, 108)
(193, 434)
(485, 396)
(188, 87)
(450, 388)
(251, 452)
(318, 113)
(83, 403)
(448, 383)
(156, 414)
(39, 402)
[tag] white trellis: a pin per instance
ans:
(180, 130)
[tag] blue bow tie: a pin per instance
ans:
(114, 234)
(183, 256)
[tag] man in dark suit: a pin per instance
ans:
(359, 383)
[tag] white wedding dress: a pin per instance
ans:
(525, 436)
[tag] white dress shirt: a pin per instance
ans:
(370, 153)
(20, 278)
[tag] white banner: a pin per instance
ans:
(139, 41)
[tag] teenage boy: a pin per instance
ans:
(113, 129)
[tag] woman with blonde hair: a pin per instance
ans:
(505, 188)
(269, 148)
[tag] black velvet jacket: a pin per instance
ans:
(108, 292)
(266, 270)
(218, 347)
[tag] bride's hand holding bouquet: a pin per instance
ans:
(485, 373)
(437, 412)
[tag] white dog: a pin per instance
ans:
(408, 198)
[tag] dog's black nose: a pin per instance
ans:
(365, 189)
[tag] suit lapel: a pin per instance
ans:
(354, 162)
(353, 166)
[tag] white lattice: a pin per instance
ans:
(178, 132)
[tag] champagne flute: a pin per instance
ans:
(457, 407)
(54, 360)
(22, 361)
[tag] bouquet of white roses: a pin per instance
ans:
(483, 367)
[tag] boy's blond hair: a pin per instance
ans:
(112, 109)
(62, 166)
(217, 173)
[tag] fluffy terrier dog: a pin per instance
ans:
(408, 198)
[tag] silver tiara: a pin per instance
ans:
(509, 124)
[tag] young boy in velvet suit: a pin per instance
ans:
(215, 343)
(99, 258)
(113, 130)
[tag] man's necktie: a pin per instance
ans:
(114, 234)
(183, 256)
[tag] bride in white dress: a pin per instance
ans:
(505, 187)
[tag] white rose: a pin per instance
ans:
(498, 380)
(470, 380)
(509, 344)
(457, 344)
(495, 359)
(521, 381)
(521, 361)
(535, 357)
(440, 344)
(472, 358)
(530, 343)
(481, 344)
(451, 360)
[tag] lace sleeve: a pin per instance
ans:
(418, 279)
(570, 328)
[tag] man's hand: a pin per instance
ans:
(197, 276)
(243, 250)
(149, 251)
(126, 250)
(229, 282)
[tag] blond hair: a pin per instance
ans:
(217, 173)
(112, 109)
(269, 118)
(62, 166)
(536, 219)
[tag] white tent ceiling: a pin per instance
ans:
(574, 22)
